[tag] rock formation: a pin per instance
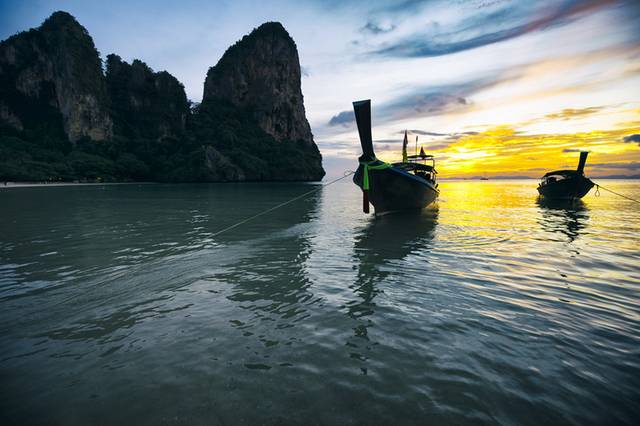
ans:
(61, 118)
(55, 67)
(145, 104)
(260, 76)
(261, 72)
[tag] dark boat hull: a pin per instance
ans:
(393, 189)
(571, 188)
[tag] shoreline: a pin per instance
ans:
(8, 185)
(46, 184)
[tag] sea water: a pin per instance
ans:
(119, 304)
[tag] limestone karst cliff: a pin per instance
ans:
(261, 73)
(145, 104)
(55, 69)
(63, 118)
(259, 79)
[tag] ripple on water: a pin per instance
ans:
(489, 307)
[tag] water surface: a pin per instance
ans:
(119, 305)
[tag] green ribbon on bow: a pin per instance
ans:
(367, 165)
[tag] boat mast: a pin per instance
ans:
(405, 142)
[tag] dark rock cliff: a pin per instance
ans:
(145, 104)
(261, 72)
(260, 76)
(54, 69)
(62, 118)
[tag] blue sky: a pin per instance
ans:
(452, 71)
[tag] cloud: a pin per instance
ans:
(634, 165)
(448, 139)
(434, 100)
(507, 150)
(428, 101)
(403, 8)
(388, 141)
(343, 118)
(632, 138)
(428, 133)
(420, 105)
(376, 28)
(487, 28)
(304, 71)
(438, 146)
(504, 148)
(571, 113)
(338, 145)
(424, 132)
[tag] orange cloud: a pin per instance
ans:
(570, 113)
(506, 151)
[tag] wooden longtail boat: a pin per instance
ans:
(407, 185)
(567, 184)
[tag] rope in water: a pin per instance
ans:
(320, 187)
(613, 192)
(345, 175)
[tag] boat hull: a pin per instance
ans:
(571, 188)
(392, 189)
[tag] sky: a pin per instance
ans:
(490, 87)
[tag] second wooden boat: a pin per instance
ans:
(566, 184)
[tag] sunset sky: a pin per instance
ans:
(495, 88)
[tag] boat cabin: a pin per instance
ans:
(559, 175)
(422, 165)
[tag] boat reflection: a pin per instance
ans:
(568, 217)
(394, 236)
(385, 240)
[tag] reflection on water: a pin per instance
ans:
(472, 312)
(382, 241)
(394, 236)
(271, 283)
(568, 217)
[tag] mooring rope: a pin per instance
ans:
(613, 192)
(346, 174)
(269, 210)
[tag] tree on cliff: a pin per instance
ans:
(62, 118)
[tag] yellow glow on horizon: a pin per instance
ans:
(507, 151)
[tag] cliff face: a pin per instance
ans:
(145, 104)
(55, 68)
(260, 76)
(261, 73)
(55, 103)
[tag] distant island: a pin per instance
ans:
(62, 118)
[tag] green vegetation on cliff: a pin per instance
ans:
(145, 104)
(243, 152)
(63, 119)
